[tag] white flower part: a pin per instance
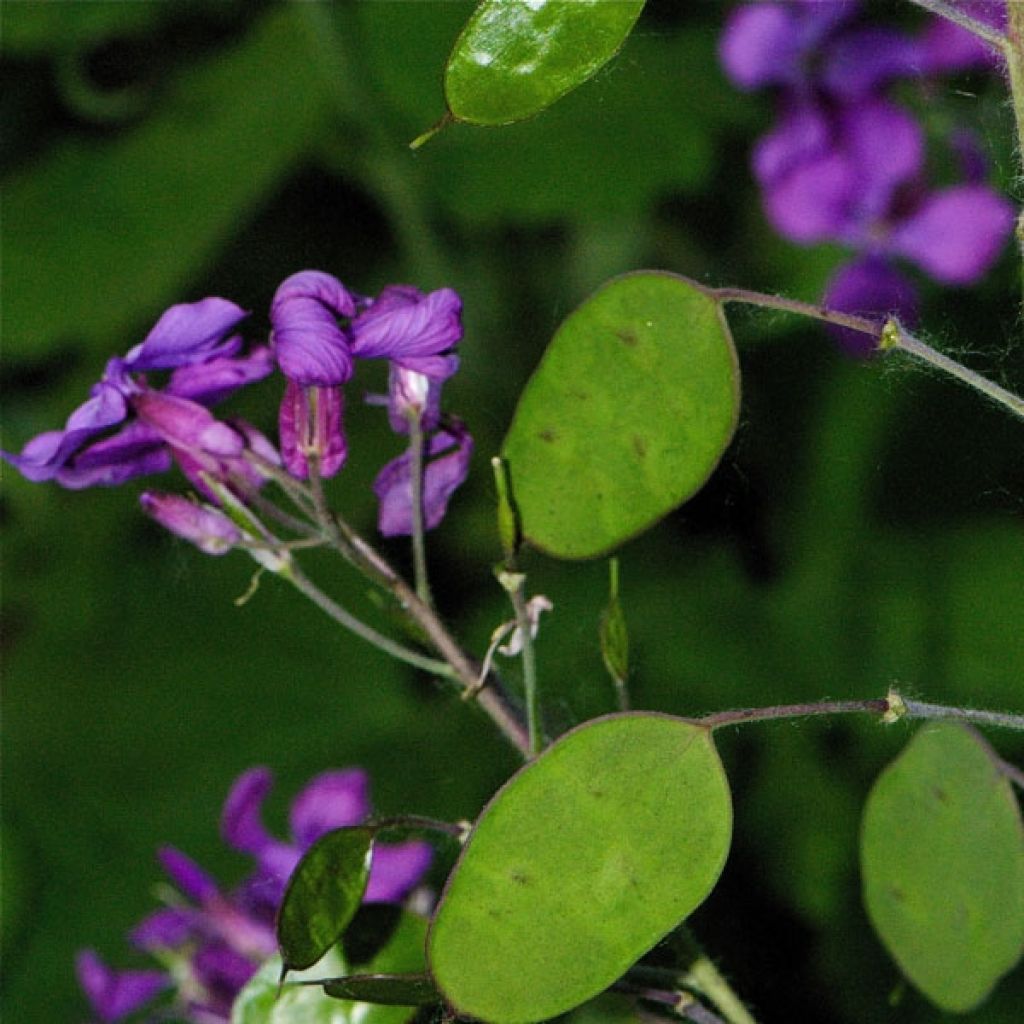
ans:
(537, 604)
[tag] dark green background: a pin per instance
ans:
(864, 527)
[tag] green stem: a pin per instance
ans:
(897, 339)
(891, 708)
(346, 619)
(419, 547)
(705, 977)
(517, 594)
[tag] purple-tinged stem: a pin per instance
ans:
(986, 33)
(419, 547)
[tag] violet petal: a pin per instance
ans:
(862, 60)
(872, 288)
(396, 869)
(241, 820)
(760, 45)
(44, 455)
(441, 477)
(413, 332)
(186, 333)
(331, 800)
(214, 380)
(311, 348)
(115, 994)
(166, 928)
(189, 877)
(956, 234)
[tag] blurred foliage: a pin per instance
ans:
(864, 527)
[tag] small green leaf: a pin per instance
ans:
(942, 855)
(386, 989)
(323, 894)
(516, 57)
(580, 864)
(628, 413)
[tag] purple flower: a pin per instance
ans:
(115, 994)
(107, 440)
(210, 530)
(448, 455)
(331, 800)
(215, 940)
(313, 348)
(413, 330)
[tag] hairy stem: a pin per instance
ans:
(944, 9)
(816, 312)
(900, 340)
(891, 707)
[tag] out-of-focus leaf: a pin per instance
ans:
(323, 895)
(31, 29)
(644, 129)
(516, 57)
(631, 408)
(942, 854)
(99, 233)
(579, 865)
(260, 1003)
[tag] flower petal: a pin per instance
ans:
(760, 45)
(166, 928)
(947, 48)
(44, 455)
(869, 287)
(412, 329)
(241, 820)
(186, 424)
(956, 233)
(187, 333)
(331, 800)
(187, 875)
(441, 478)
(115, 994)
(135, 450)
(311, 347)
(396, 869)
(214, 380)
(802, 133)
(862, 60)
(813, 202)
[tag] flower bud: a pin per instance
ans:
(211, 531)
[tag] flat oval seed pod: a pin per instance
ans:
(580, 864)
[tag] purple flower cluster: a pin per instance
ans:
(845, 163)
(211, 942)
(129, 427)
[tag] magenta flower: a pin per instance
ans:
(107, 440)
(213, 940)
